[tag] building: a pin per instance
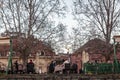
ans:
(94, 50)
(41, 55)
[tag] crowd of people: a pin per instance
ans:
(65, 67)
(19, 68)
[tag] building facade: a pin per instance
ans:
(93, 51)
(41, 54)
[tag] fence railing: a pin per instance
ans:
(100, 68)
(59, 77)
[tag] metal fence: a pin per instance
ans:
(101, 68)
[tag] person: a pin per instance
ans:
(74, 68)
(66, 66)
(16, 66)
(51, 67)
(58, 68)
(30, 67)
(20, 68)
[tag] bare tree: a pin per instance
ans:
(75, 38)
(80, 35)
(31, 18)
(103, 14)
(55, 36)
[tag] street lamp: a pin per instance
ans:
(10, 56)
(116, 39)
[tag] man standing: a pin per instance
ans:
(30, 67)
(16, 66)
(51, 67)
(74, 68)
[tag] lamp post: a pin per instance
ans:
(10, 58)
(115, 39)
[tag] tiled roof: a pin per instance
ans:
(39, 46)
(94, 46)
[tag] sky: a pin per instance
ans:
(69, 22)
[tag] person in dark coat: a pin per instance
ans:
(16, 66)
(74, 68)
(51, 67)
(30, 67)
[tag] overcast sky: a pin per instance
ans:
(68, 21)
